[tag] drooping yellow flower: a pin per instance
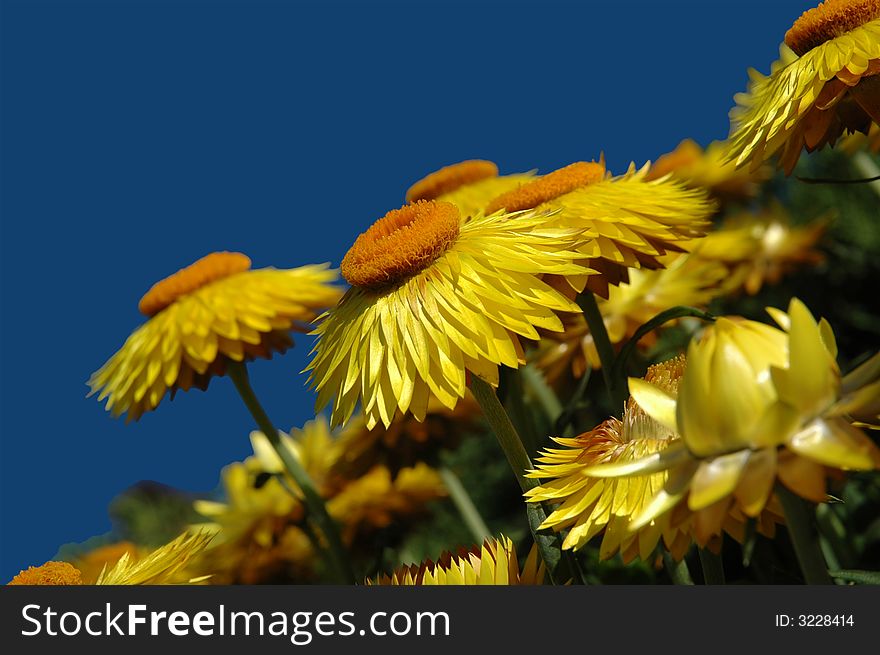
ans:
(587, 506)
(824, 85)
(433, 297)
(407, 441)
(686, 280)
(204, 315)
(756, 404)
(469, 185)
(708, 169)
(624, 222)
(166, 565)
(759, 248)
(495, 563)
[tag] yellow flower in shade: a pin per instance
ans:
(433, 297)
(259, 525)
(469, 185)
(495, 563)
(686, 280)
(708, 169)
(406, 441)
(825, 84)
(761, 248)
(377, 500)
(625, 222)
(588, 506)
(168, 564)
(204, 315)
(756, 404)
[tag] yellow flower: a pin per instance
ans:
(376, 500)
(493, 564)
(625, 222)
(825, 84)
(587, 506)
(168, 564)
(433, 297)
(469, 185)
(756, 404)
(202, 316)
(259, 526)
(91, 563)
(406, 441)
(762, 247)
(686, 280)
(708, 169)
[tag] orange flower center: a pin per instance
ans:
(212, 267)
(450, 178)
(401, 243)
(548, 187)
(829, 20)
(50, 573)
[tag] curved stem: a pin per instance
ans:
(590, 308)
(504, 431)
(678, 571)
(335, 552)
(465, 506)
(800, 528)
(558, 562)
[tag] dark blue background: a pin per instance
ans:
(137, 137)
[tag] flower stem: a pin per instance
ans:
(799, 520)
(465, 506)
(335, 552)
(866, 166)
(713, 569)
(678, 571)
(504, 431)
(558, 562)
(587, 303)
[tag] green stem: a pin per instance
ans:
(465, 506)
(678, 571)
(867, 166)
(590, 308)
(713, 569)
(504, 431)
(335, 552)
(559, 566)
(799, 520)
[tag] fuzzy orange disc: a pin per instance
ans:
(212, 267)
(401, 243)
(450, 178)
(50, 573)
(548, 187)
(829, 20)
